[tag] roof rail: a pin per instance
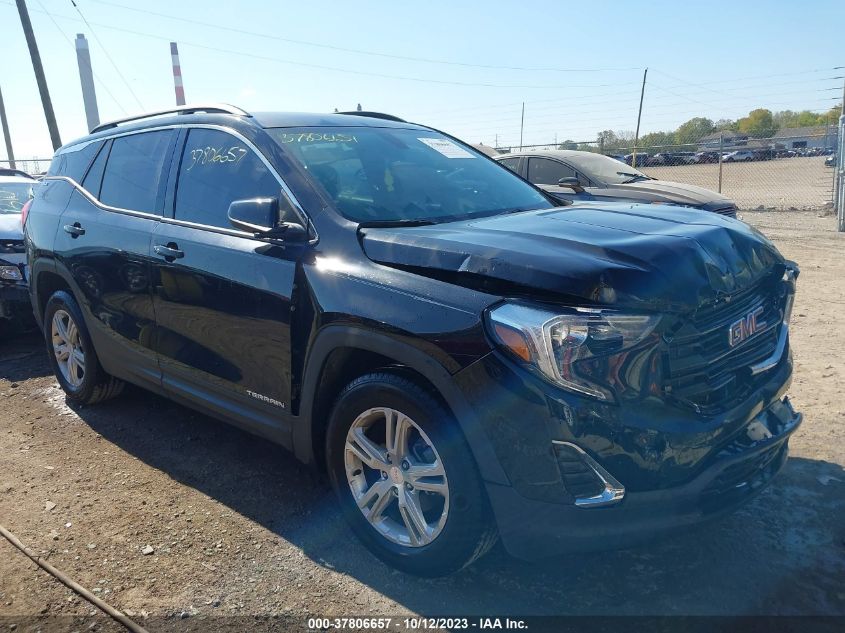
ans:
(217, 108)
(375, 115)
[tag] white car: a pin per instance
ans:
(16, 189)
(742, 155)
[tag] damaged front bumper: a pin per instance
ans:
(584, 476)
(14, 301)
(729, 482)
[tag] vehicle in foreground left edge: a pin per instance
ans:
(464, 357)
(16, 189)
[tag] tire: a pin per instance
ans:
(461, 529)
(85, 384)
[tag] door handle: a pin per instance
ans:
(74, 229)
(169, 251)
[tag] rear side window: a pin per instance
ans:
(542, 171)
(94, 177)
(133, 175)
(74, 162)
(216, 169)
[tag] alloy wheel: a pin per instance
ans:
(67, 346)
(396, 477)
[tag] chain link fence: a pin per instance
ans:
(32, 166)
(783, 172)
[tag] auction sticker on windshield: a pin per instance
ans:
(446, 147)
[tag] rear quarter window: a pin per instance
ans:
(133, 176)
(73, 162)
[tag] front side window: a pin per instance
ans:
(133, 176)
(389, 174)
(216, 169)
(544, 171)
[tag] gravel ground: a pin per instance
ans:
(238, 528)
(801, 183)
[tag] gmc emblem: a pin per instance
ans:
(746, 327)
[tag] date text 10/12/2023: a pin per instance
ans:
(415, 623)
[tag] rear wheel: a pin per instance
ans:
(72, 355)
(405, 478)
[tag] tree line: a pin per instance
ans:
(760, 123)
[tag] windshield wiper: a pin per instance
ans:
(633, 177)
(378, 224)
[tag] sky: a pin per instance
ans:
(463, 67)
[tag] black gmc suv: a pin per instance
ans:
(464, 358)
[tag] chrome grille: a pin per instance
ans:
(701, 368)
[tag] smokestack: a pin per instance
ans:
(177, 74)
(86, 79)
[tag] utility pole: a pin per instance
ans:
(6, 134)
(839, 182)
(39, 75)
(521, 126)
(721, 153)
(639, 117)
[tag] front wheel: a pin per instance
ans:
(405, 477)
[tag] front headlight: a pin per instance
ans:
(555, 342)
(10, 273)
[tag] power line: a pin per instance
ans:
(561, 110)
(106, 53)
(346, 71)
(69, 41)
(660, 109)
(473, 109)
(769, 76)
(359, 51)
(612, 121)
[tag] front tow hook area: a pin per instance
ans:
(590, 484)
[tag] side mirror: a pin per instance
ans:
(260, 216)
(572, 183)
(256, 215)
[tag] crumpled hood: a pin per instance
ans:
(625, 255)
(10, 226)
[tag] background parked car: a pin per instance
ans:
(16, 190)
(742, 155)
(575, 176)
(706, 157)
(830, 161)
(642, 158)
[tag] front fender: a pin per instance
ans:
(333, 337)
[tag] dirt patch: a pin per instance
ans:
(239, 529)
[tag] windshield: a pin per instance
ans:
(605, 169)
(405, 175)
(13, 195)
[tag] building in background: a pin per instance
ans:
(819, 137)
